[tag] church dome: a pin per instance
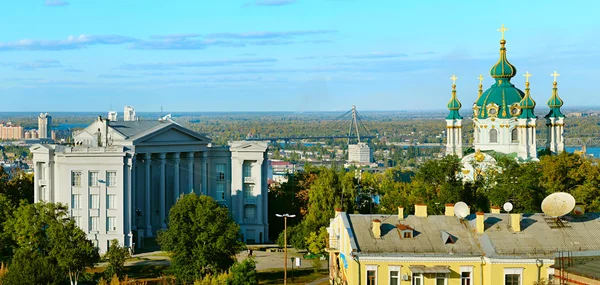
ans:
(501, 98)
(454, 105)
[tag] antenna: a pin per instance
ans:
(161, 111)
(461, 210)
(558, 204)
(508, 206)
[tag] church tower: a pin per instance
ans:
(526, 124)
(500, 122)
(555, 121)
(454, 124)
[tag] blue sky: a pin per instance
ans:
(286, 55)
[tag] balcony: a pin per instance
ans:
(333, 243)
(250, 200)
(249, 180)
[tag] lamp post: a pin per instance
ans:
(285, 217)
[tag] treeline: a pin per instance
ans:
(314, 194)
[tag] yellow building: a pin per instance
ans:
(482, 249)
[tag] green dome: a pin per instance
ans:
(454, 105)
(555, 103)
(503, 68)
(502, 94)
(527, 104)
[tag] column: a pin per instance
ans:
(129, 213)
(48, 179)
(148, 159)
(134, 191)
(36, 181)
(177, 161)
(258, 186)
(204, 167)
(162, 198)
(190, 172)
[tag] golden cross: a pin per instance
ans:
(555, 74)
(502, 30)
(480, 79)
(527, 75)
(453, 78)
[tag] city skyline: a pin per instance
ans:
(285, 55)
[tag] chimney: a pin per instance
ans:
(337, 211)
(376, 228)
(495, 210)
(480, 223)
(515, 222)
(400, 213)
(579, 209)
(421, 210)
(449, 210)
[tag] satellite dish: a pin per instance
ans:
(558, 204)
(508, 206)
(461, 210)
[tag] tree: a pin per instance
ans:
(6, 243)
(243, 273)
(317, 241)
(202, 238)
(116, 256)
(31, 267)
(71, 249)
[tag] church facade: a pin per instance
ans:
(120, 179)
(504, 122)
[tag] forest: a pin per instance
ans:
(314, 194)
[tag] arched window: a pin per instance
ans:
(514, 135)
(493, 136)
(477, 134)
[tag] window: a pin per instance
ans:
(466, 273)
(111, 224)
(111, 201)
(441, 278)
(94, 201)
(493, 136)
(93, 178)
(551, 275)
(220, 192)
(407, 234)
(77, 220)
(514, 135)
(394, 275)
(476, 134)
(75, 201)
(512, 276)
(417, 279)
(371, 274)
(76, 178)
(248, 191)
(220, 171)
(247, 169)
(250, 212)
(111, 178)
(93, 224)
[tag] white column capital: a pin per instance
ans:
(148, 156)
(190, 155)
(162, 156)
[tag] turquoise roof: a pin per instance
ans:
(527, 104)
(502, 93)
(555, 103)
(454, 105)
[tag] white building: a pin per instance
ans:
(121, 178)
(112, 116)
(359, 153)
(44, 126)
(129, 114)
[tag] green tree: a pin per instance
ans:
(202, 238)
(243, 273)
(7, 245)
(31, 267)
(71, 249)
(116, 256)
(317, 241)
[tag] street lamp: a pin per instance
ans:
(285, 217)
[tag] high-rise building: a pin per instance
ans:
(129, 114)
(44, 126)
(112, 116)
(10, 132)
(360, 153)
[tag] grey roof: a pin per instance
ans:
(426, 240)
(537, 238)
(132, 129)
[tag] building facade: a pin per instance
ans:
(10, 132)
(359, 153)
(121, 178)
(483, 248)
(44, 126)
(129, 114)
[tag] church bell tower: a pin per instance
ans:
(454, 124)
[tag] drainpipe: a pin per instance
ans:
(359, 270)
(481, 272)
(539, 263)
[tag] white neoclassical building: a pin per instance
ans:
(121, 178)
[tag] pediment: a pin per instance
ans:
(173, 134)
(248, 146)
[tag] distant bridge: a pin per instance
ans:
(275, 139)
